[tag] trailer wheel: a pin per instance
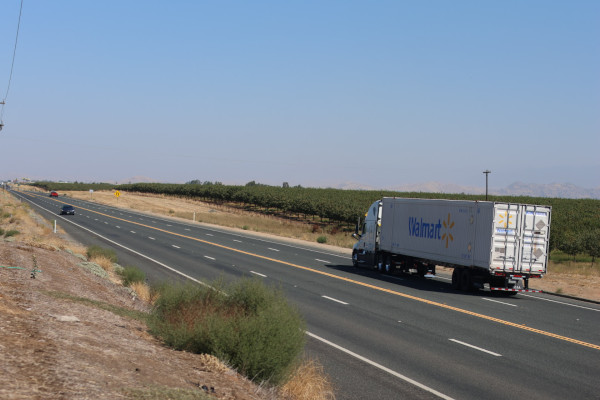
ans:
(456, 278)
(466, 284)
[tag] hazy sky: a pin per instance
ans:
(316, 93)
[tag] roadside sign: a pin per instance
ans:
(117, 194)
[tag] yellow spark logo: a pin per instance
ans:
(505, 219)
(447, 236)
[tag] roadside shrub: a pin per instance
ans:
(131, 274)
(11, 232)
(252, 328)
(1, 231)
(322, 239)
(97, 251)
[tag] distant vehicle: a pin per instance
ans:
(53, 194)
(67, 210)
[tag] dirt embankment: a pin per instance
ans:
(56, 345)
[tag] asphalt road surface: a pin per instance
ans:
(378, 336)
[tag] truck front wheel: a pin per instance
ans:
(355, 258)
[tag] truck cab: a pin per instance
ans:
(365, 249)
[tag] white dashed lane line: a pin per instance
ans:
(151, 238)
(323, 261)
(475, 347)
(177, 247)
(210, 258)
(336, 300)
(256, 273)
(272, 249)
(499, 302)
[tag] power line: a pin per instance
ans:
(12, 66)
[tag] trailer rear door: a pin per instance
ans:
(520, 238)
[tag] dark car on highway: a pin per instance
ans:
(66, 209)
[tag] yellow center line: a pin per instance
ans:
(407, 296)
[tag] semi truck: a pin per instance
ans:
(503, 245)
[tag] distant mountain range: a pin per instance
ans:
(563, 190)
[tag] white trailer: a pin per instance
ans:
(501, 244)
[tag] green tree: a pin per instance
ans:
(591, 243)
(571, 243)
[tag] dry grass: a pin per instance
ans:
(105, 262)
(211, 363)
(143, 292)
(585, 269)
(308, 382)
(33, 230)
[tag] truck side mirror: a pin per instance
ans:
(356, 235)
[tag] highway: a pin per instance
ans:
(378, 336)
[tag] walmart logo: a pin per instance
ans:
(417, 227)
(505, 219)
(448, 236)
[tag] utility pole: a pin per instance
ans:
(486, 172)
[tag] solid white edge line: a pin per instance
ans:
(500, 302)
(475, 347)
(559, 302)
(336, 300)
(127, 248)
(381, 367)
(256, 273)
